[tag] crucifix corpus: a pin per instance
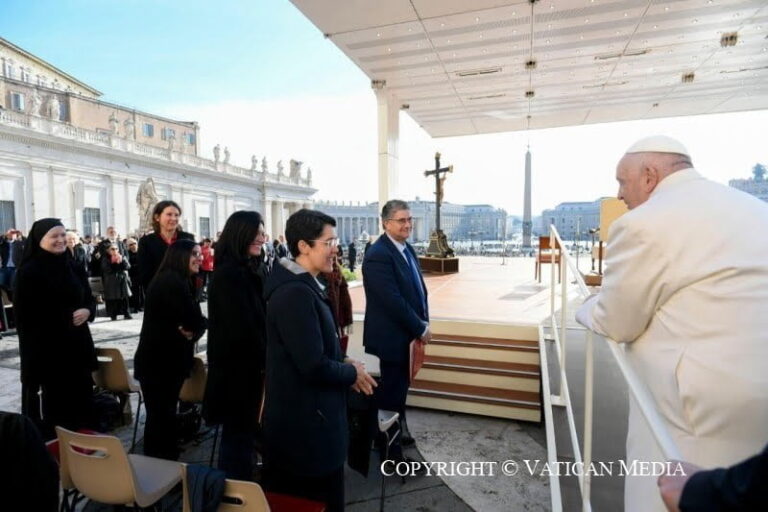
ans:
(438, 243)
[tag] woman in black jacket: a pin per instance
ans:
(53, 304)
(306, 434)
(236, 341)
(75, 252)
(172, 324)
(152, 246)
(117, 286)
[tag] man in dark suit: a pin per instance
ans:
(352, 252)
(11, 249)
(396, 311)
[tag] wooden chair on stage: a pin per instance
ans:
(551, 257)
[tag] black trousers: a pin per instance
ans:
(237, 450)
(391, 395)
(160, 430)
(327, 488)
(66, 402)
(116, 307)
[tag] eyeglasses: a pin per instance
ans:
(403, 221)
(330, 243)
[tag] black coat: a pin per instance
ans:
(47, 291)
(237, 343)
(5, 248)
(134, 271)
(305, 414)
(738, 487)
(163, 351)
(117, 285)
(79, 258)
(152, 249)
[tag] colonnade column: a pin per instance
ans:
(388, 113)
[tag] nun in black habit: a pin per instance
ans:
(53, 305)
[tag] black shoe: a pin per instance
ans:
(128, 317)
(113, 318)
(407, 440)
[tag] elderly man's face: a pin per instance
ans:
(636, 181)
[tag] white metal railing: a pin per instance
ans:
(67, 131)
(563, 399)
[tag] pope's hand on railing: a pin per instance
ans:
(584, 313)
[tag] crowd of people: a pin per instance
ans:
(690, 310)
(277, 319)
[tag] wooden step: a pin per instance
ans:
(486, 401)
(477, 394)
(494, 343)
(460, 364)
(485, 349)
(478, 372)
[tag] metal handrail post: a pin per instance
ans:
(552, 241)
(563, 312)
(589, 381)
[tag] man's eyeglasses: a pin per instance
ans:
(403, 221)
(330, 243)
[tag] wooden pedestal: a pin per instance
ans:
(439, 265)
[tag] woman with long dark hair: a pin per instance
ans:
(53, 304)
(166, 229)
(172, 324)
(236, 341)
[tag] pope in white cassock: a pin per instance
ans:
(686, 290)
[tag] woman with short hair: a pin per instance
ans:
(172, 324)
(237, 341)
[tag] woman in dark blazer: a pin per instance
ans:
(152, 246)
(117, 286)
(172, 323)
(53, 304)
(75, 252)
(237, 341)
(306, 434)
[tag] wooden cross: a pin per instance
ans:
(438, 186)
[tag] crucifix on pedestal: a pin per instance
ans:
(438, 243)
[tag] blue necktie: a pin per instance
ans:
(416, 277)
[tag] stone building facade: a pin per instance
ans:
(64, 153)
(356, 221)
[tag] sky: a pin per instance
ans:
(261, 79)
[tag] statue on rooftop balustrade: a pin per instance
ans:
(216, 153)
(295, 172)
(35, 102)
(54, 107)
(309, 175)
(113, 123)
(264, 166)
(226, 155)
(254, 162)
(128, 125)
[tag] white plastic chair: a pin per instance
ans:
(113, 375)
(101, 470)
